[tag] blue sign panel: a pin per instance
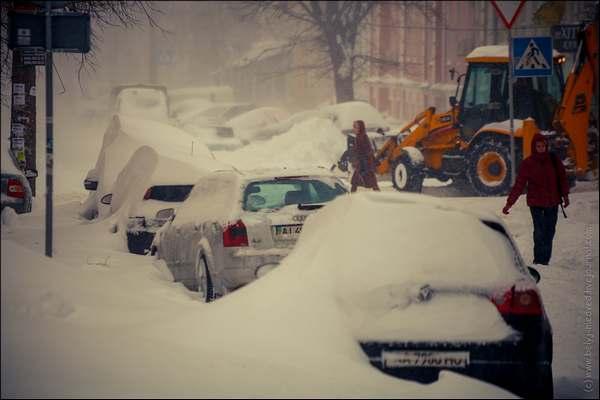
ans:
(532, 56)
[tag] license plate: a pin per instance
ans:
(425, 359)
(286, 232)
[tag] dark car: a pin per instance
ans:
(15, 190)
(518, 359)
(157, 206)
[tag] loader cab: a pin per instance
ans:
(485, 92)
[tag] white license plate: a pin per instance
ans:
(425, 359)
(286, 232)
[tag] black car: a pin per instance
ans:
(520, 362)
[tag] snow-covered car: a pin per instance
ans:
(234, 227)
(249, 125)
(420, 298)
(159, 185)
(15, 191)
(121, 140)
(141, 101)
(342, 115)
(209, 124)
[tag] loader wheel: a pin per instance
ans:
(489, 168)
(407, 177)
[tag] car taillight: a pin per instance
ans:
(15, 189)
(235, 235)
(147, 194)
(518, 302)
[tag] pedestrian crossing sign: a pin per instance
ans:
(532, 56)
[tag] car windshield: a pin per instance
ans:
(170, 193)
(276, 193)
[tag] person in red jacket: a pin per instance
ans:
(547, 187)
(363, 160)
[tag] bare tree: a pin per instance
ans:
(104, 13)
(329, 31)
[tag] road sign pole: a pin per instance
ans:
(511, 109)
(49, 130)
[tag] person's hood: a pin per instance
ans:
(539, 138)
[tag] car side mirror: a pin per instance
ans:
(452, 100)
(535, 274)
(165, 213)
(106, 199)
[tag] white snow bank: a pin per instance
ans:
(120, 329)
(245, 125)
(314, 142)
(347, 113)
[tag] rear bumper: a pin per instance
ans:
(508, 364)
(139, 242)
(21, 206)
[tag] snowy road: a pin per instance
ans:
(89, 248)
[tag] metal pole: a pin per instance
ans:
(49, 133)
(511, 110)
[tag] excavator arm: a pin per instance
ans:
(572, 116)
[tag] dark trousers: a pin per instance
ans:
(544, 227)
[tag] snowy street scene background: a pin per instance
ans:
(176, 96)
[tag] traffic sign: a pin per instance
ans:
(532, 56)
(508, 11)
(564, 37)
(70, 31)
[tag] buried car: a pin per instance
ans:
(122, 138)
(15, 191)
(234, 226)
(421, 299)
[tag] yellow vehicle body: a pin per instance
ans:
(482, 161)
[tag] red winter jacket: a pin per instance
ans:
(538, 173)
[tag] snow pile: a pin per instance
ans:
(314, 142)
(9, 217)
(247, 126)
(134, 179)
(119, 328)
(346, 113)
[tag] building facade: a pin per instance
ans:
(425, 46)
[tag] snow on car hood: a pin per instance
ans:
(361, 245)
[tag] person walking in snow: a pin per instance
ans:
(363, 160)
(547, 187)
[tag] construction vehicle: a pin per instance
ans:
(470, 143)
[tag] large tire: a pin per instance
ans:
(489, 168)
(205, 285)
(406, 176)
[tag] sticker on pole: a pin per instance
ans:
(532, 56)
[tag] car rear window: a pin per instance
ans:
(276, 193)
(171, 193)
